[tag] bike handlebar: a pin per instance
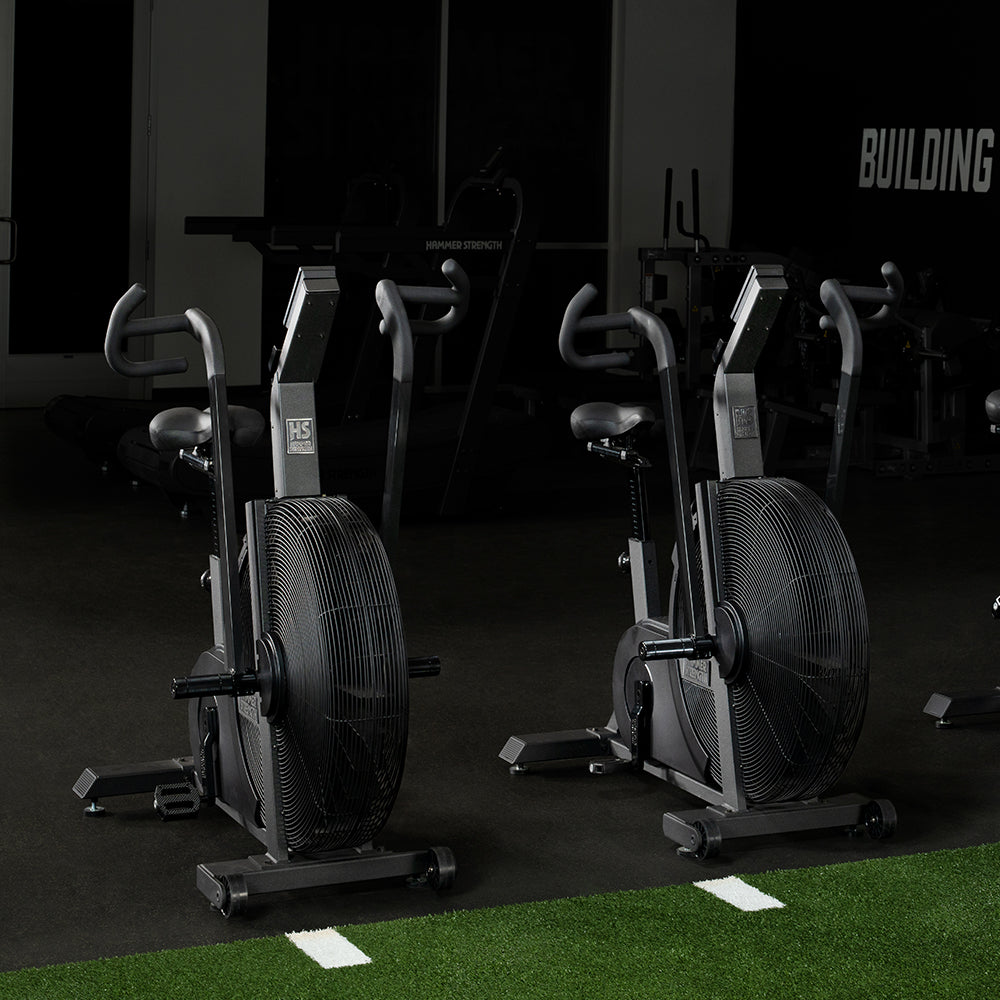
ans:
(636, 321)
(839, 299)
(193, 322)
(456, 296)
(391, 299)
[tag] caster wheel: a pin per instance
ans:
(233, 896)
(709, 839)
(441, 873)
(880, 819)
(706, 840)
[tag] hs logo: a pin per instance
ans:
(299, 436)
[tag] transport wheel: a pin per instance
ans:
(441, 874)
(234, 896)
(709, 839)
(880, 819)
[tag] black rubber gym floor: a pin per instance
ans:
(101, 607)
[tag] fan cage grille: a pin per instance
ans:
(340, 744)
(800, 699)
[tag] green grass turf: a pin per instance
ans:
(923, 926)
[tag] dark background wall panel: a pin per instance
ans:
(810, 81)
(351, 91)
(535, 78)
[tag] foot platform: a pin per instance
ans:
(569, 744)
(945, 707)
(131, 779)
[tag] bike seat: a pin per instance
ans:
(993, 407)
(596, 421)
(187, 427)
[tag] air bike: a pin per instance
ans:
(299, 711)
(947, 706)
(749, 688)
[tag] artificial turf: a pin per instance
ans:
(921, 926)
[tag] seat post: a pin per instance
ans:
(621, 450)
(638, 498)
(640, 559)
(641, 548)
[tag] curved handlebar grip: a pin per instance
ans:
(120, 328)
(396, 325)
(838, 300)
(391, 297)
(650, 326)
(456, 296)
(889, 298)
(637, 321)
(575, 322)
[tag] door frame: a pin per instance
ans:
(30, 380)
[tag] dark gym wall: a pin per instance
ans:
(535, 79)
(350, 91)
(353, 89)
(825, 95)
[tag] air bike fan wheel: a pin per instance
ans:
(309, 756)
(339, 700)
(798, 680)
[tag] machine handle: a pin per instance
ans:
(12, 245)
(391, 299)
(695, 233)
(668, 184)
(574, 322)
(456, 296)
(839, 299)
(890, 297)
(637, 321)
(193, 321)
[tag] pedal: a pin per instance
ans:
(423, 666)
(608, 765)
(178, 800)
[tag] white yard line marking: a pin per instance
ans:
(734, 890)
(330, 949)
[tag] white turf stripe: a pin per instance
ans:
(734, 890)
(330, 949)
